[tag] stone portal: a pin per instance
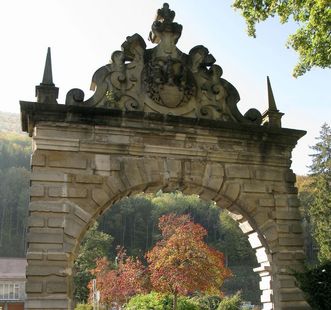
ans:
(159, 119)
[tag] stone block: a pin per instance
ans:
(100, 197)
(73, 228)
(57, 221)
(34, 255)
(81, 213)
(245, 227)
(42, 303)
(270, 232)
(57, 256)
(205, 194)
(56, 287)
(172, 168)
(88, 178)
(237, 171)
(231, 191)
(67, 192)
(33, 286)
(254, 187)
(213, 176)
(265, 283)
(106, 163)
(296, 305)
(38, 159)
(269, 174)
(287, 281)
(37, 191)
(51, 176)
(283, 228)
(261, 217)
(223, 202)
(254, 240)
(114, 182)
(45, 270)
(45, 235)
(288, 214)
(153, 168)
(266, 296)
(281, 201)
(291, 240)
(49, 206)
(261, 255)
(36, 221)
(266, 202)
(133, 174)
(65, 160)
(290, 294)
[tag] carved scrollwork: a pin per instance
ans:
(165, 80)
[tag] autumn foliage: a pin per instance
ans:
(117, 285)
(182, 263)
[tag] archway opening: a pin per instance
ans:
(132, 224)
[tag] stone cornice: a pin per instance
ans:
(33, 113)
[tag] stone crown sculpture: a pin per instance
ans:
(165, 80)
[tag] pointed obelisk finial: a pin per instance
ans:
(48, 77)
(46, 92)
(272, 117)
(271, 99)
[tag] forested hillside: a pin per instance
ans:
(10, 122)
(15, 150)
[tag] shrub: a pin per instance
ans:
(230, 303)
(207, 302)
(316, 284)
(158, 301)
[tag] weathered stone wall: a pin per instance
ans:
(78, 171)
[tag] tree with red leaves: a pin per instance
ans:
(182, 263)
(117, 285)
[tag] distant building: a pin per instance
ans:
(12, 283)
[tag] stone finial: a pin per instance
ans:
(164, 24)
(46, 92)
(272, 117)
(48, 77)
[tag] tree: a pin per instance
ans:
(182, 263)
(117, 283)
(320, 208)
(312, 40)
(95, 245)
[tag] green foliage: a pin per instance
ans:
(95, 245)
(84, 307)
(230, 303)
(133, 221)
(10, 122)
(158, 301)
(312, 40)
(207, 302)
(320, 208)
(14, 201)
(234, 244)
(15, 150)
(316, 284)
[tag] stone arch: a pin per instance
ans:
(70, 190)
(159, 119)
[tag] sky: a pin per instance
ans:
(83, 34)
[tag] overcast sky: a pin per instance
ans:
(83, 34)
